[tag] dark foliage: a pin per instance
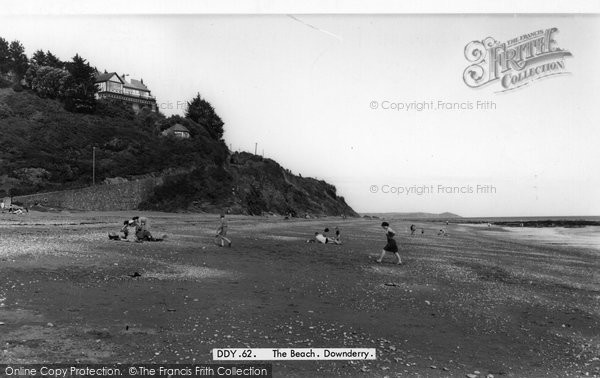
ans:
(210, 185)
(18, 60)
(5, 83)
(80, 87)
(202, 112)
(39, 133)
(4, 56)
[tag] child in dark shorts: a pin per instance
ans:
(391, 245)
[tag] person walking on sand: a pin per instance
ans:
(221, 236)
(391, 245)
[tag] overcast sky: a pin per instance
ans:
(302, 87)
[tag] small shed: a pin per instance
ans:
(177, 130)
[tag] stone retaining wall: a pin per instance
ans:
(123, 196)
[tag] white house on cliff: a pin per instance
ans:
(134, 92)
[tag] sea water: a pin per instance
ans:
(586, 237)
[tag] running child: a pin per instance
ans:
(391, 245)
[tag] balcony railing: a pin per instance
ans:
(125, 93)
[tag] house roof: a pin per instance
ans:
(177, 127)
(136, 84)
(102, 77)
(133, 84)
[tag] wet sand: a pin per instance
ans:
(476, 300)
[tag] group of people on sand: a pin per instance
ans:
(322, 238)
(413, 229)
(12, 209)
(138, 228)
(135, 229)
(390, 247)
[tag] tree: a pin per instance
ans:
(202, 112)
(18, 60)
(38, 58)
(53, 61)
(80, 88)
(49, 82)
(4, 56)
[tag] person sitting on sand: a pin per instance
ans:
(413, 228)
(127, 231)
(322, 239)
(124, 231)
(338, 236)
(221, 236)
(142, 233)
(442, 232)
(391, 245)
(319, 237)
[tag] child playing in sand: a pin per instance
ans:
(124, 232)
(338, 236)
(391, 245)
(141, 231)
(221, 238)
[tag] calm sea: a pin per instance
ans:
(587, 237)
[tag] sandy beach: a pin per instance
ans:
(478, 301)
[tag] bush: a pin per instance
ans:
(212, 184)
(5, 83)
(17, 87)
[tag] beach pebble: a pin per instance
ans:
(428, 303)
(489, 376)
(471, 375)
(50, 325)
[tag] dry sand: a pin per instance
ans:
(476, 300)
